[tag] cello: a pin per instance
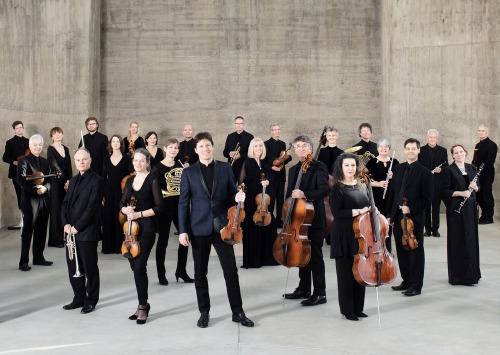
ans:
(262, 216)
(408, 240)
(292, 246)
(130, 245)
(373, 265)
(232, 233)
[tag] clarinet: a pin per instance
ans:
(387, 177)
(470, 188)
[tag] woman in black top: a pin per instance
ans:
(329, 154)
(133, 136)
(170, 212)
(114, 168)
(149, 203)
(348, 199)
(60, 161)
(151, 145)
(378, 168)
(463, 240)
(257, 240)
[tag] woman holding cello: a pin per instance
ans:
(258, 237)
(348, 200)
(145, 189)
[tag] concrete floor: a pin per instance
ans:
(445, 319)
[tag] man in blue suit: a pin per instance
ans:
(208, 189)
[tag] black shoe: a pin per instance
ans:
(297, 294)
(163, 280)
(485, 221)
(87, 308)
(184, 276)
(73, 305)
(134, 316)
(24, 267)
(242, 319)
(412, 292)
(400, 287)
(361, 314)
(146, 309)
(351, 316)
(427, 234)
(203, 320)
(436, 234)
(314, 301)
(43, 262)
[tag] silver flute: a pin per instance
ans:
(72, 254)
(470, 188)
(387, 177)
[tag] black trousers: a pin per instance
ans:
(56, 231)
(139, 266)
(351, 293)
(316, 267)
(485, 195)
(411, 263)
(164, 222)
(18, 190)
(35, 220)
(201, 253)
(86, 288)
(432, 212)
(277, 196)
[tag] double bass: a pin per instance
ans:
(292, 246)
(232, 233)
(262, 216)
(373, 265)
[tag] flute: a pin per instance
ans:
(387, 177)
(433, 170)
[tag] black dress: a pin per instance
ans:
(157, 158)
(462, 239)
(113, 174)
(57, 193)
(138, 143)
(327, 155)
(165, 219)
(343, 199)
(257, 240)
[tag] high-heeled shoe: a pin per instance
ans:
(184, 276)
(134, 316)
(143, 308)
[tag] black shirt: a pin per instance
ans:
(208, 174)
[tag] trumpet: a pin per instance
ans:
(173, 180)
(72, 253)
(236, 152)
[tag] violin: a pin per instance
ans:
(186, 158)
(279, 162)
(131, 247)
(373, 265)
(292, 247)
(232, 232)
(262, 216)
(38, 177)
(409, 240)
(131, 147)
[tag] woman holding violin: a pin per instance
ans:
(146, 191)
(258, 237)
(59, 159)
(133, 141)
(115, 167)
(152, 147)
(458, 190)
(349, 199)
(166, 172)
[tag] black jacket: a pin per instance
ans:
(440, 157)
(97, 145)
(14, 148)
(27, 166)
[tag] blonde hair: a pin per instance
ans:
(252, 145)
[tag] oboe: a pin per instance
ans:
(470, 188)
(387, 177)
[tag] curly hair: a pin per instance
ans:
(338, 173)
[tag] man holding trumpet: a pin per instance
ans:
(80, 217)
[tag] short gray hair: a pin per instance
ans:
(274, 124)
(84, 150)
(305, 139)
(36, 137)
(432, 130)
(384, 141)
(331, 129)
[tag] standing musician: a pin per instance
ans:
(459, 195)
(236, 148)
(60, 160)
(145, 188)
(365, 132)
(133, 136)
(15, 148)
(485, 152)
(314, 188)
(381, 178)
(349, 199)
(330, 152)
(96, 143)
(434, 158)
(80, 217)
(413, 181)
(35, 202)
(274, 146)
(208, 189)
(186, 147)
(168, 173)
(152, 147)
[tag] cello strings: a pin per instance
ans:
(378, 310)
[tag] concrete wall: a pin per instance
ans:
(49, 70)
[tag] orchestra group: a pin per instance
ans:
(127, 190)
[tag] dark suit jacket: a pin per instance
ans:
(80, 207)
(441, 156)
(14, 148)
(314, 184)
(97, 145)
(419, 191)
(27, 166)
(197, 208)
